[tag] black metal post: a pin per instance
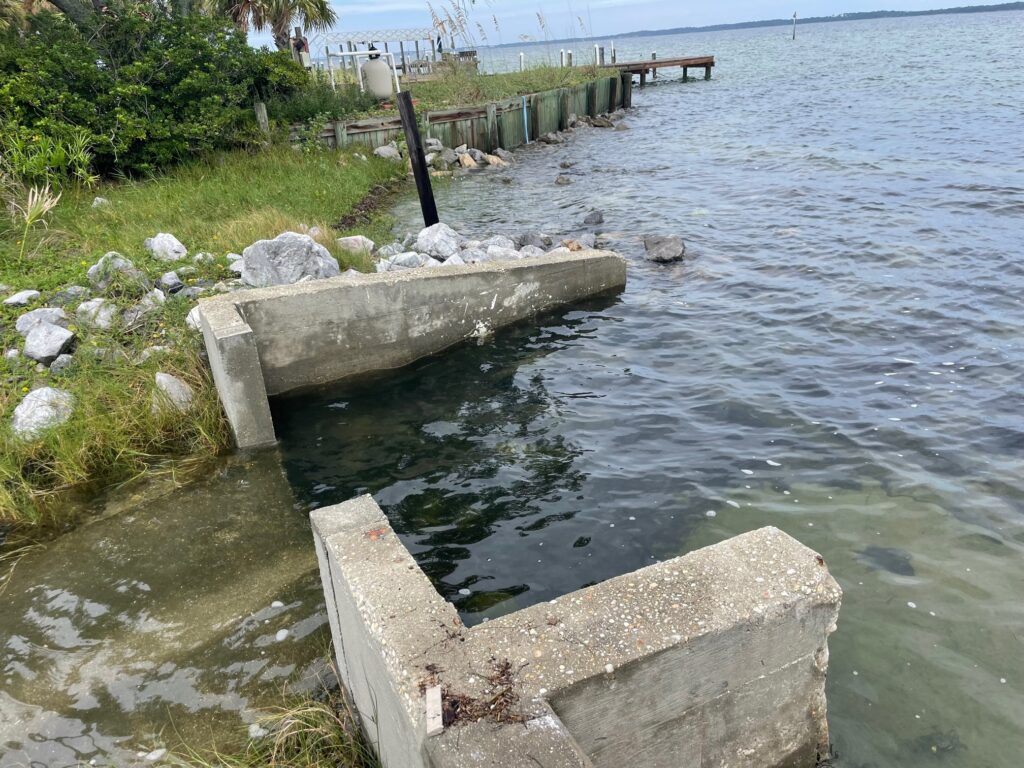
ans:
(419, 161)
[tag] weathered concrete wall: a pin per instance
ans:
(714, 658)
(322, 331)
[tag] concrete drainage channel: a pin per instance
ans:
(717, 657)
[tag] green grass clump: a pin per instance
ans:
(218, 205)
(462, 86)
(307, 732)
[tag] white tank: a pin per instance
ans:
(377, 79)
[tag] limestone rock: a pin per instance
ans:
(99, 313)
(149, 352)
(440, 241)
(497, 253)
(169, 282)
(165, 247)
(495, 162)
(433, 145)
(664, 249)
(392, 249)
(448, 157)
(21, 298)
(40, 410)
(505, 155)
(357, 245)
(537, 239)
(473, 256)
(462, 149)
(98, 202)
(46, 341)
(237, 265)
(454, 261)
(61, 364)
(30, 320)
(133, 316)
(467, 161)
(563, 181)
(531, 250)
(111, 265)
(478, 156)
(172, 393)
(192, 319)
(602, 122)
(285, 260)
(203, 258)
(500, 241)
(388, 152)
(70, 295)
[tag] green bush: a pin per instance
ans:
(147, 89)
(315, 98)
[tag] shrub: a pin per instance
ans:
(315, 98)
(144, 89)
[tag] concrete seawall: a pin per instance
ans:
(715, 658)
(270, 341)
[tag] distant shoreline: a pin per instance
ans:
(861, 16)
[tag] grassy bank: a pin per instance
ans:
(218, 206)
(463, 87)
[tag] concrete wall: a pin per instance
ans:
(716, 658)
(317, 332)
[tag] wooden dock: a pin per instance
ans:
(652, 66)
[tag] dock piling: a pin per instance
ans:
(419, 161)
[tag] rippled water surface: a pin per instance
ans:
(840, 356)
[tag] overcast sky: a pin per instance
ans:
(516, 18)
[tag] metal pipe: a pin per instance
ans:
(526, 122)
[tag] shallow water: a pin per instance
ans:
(157, 625)
(839, 356)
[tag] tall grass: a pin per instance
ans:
(218, 205)
(464, 86)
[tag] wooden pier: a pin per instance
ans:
(652, 66)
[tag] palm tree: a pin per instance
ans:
(12, 14)
(279, 16)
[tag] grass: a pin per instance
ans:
(220, 206)
(463, 86)
(318, 731)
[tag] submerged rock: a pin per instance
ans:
(165, 247)
(562, 180)
(594, 217)
(505, 155)
(45, 342)
(171, 392)
(40, 410)
(664, 249)
(286, 259)
(601, 122)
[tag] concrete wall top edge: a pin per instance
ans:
(252, 295)
(752, 579)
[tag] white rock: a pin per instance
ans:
(409, 260)
(21, 298)
(432, 262)
(102, 273)
(30, 320)
(664, 249)
(12, 354)
(440, 241)
(454, 261)
(46, 341)
(165, 247)
(388, 152)
(237, 266)
(356, 245)
(40, 410)
(134, 315)
(392, 249)
(285, 260)
(149, 352)
(61, 363)
(172, 392)
(531, 250)
(257, 731)
(155, 755)
(499, 240)
(282, 634)
(192, 319)
(99, 313)
(99, 201)
(497, 253)
(472, 256)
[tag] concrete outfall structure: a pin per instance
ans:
(274, 340)
(715, 658)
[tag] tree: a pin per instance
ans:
(279, 16)
(12, 14)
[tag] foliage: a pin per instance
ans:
(316, 97)
(279, 16)
(37, 157)
(142, 90)
(462, 85)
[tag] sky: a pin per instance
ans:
(518, 18)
